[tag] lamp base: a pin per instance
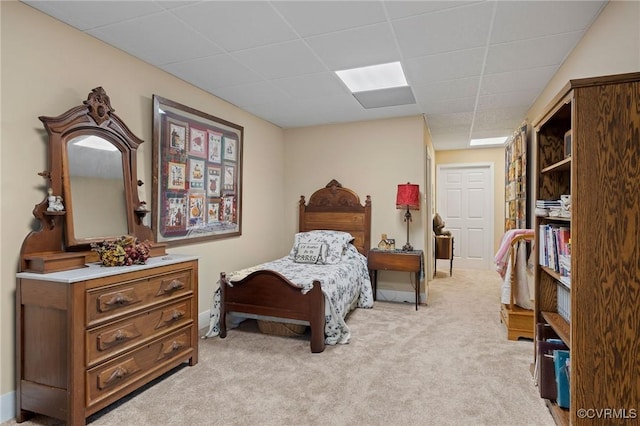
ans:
(407, 218)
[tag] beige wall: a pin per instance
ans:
(49, 67)
(494, 156)
(370, 157)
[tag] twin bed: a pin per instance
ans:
(319, 282)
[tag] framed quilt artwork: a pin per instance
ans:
(197, 175)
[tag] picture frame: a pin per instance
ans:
(197, 175)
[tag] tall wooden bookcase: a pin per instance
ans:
(602, 174)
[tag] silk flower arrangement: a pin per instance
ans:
(123, 251)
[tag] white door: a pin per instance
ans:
(465, 203)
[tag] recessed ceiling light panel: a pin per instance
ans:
(488, 141)
(374, 77)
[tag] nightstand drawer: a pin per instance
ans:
(394, 261)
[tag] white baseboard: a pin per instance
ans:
(203, 319)
(7, 406)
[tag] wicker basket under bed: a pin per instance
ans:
(281, 329)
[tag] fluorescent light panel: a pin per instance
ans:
(488, 141)
(373, 77)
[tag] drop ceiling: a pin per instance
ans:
(474, 67)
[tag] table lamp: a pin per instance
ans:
(408, 197)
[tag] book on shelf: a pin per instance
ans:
(555, 251)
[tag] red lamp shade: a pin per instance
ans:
(408, 196)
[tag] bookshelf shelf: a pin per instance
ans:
(559, 325)
(562, 165)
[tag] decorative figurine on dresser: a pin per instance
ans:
(88, 334)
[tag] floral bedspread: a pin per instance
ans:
(345, 285)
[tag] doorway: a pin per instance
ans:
(465, 202)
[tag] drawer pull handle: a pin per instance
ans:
(174, 285)
(119, 299)
(118, 374)
(117, 337)
(173, 347)
(176, 315)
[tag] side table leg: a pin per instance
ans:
(417, 289)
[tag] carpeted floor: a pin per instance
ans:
(449, 363)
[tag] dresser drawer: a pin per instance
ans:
(107, 379)
(115, 338)
(108, 303)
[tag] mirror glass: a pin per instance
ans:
(96, 188)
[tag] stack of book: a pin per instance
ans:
(553, 208)
(548, 204)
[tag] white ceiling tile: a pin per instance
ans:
(442, 31)
(494, 132)
(85, 15)
(507, 99)
(495, 118)
(532, 53)
(450, 89)
(237, 25)
(213, 72)
(444, 66)
(157, 39)
(451, 141)
(453, 119)
(402, 9)
(312, 86)
(526, 79)
(448, 106)
(363, 46)
(447, 130)
(253, 93)
(320, 17)
(172, 4)
(281, 60)
(530, 19)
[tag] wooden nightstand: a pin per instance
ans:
(395, 260)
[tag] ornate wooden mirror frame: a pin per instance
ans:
(88, 143)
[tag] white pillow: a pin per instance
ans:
(336, 241)
(315, 253)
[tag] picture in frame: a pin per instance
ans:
(197, 175)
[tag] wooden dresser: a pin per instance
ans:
(87, 337)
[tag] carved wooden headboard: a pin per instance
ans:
(336, 208)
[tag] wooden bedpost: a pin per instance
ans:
(316, 317)
(223, 313)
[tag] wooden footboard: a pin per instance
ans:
(268, 293)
